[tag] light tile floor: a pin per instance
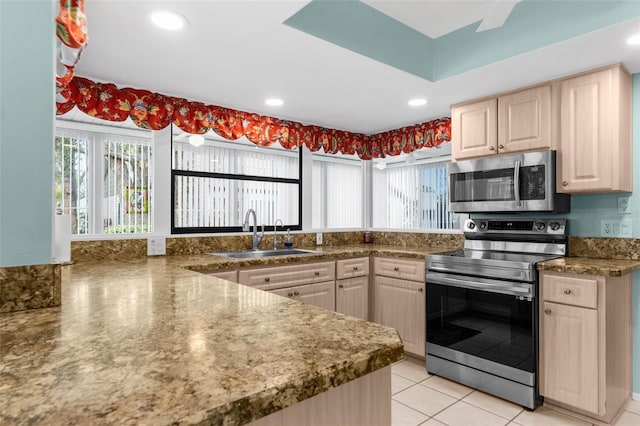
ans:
(420, 399)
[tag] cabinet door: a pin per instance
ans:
(352, 297)
(474, 130)
(393, 267)
(570, 356)
(321, 294)
(401, 304)
(594, 137)
(524, 120)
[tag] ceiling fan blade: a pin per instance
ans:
(497, 15)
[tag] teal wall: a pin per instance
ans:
(27, 55)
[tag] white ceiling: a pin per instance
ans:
(237, 53)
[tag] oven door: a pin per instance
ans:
(489, 325)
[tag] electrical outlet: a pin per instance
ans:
(624, 205)
(616, 228)
(156, 246)
(318, 238)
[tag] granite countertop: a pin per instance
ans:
(148, 341)
(590, 266)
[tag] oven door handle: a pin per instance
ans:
(491, 286)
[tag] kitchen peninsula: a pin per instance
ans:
(147, 341)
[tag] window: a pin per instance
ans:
(412, 196)
(104, 181)
(337, 191)
(216, 183)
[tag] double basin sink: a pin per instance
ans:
(258, 254)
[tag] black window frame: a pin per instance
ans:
(252, 178)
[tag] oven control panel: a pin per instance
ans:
(517, 226)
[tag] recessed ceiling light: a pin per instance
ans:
(417, 102)
(634, 40)
(274, 102)
(168, 20)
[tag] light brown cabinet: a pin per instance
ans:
(585, 350)
(595, 135)
(514, 122)
(321, 294)
(352, 287)
(399, 300)
(312, 283)
(474, 131)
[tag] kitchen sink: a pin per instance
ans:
(257, 254)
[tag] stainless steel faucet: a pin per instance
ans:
(275, 233)
(257, 238)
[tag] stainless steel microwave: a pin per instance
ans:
(524, 182)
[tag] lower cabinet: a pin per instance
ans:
(352, 297)
(322, 294)
(585, 349)
(352, 282)
(400, 302)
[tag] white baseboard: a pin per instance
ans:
(635, 396)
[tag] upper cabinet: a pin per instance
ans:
(586, 118)
(524, 120)
(473, 129)
(518, 121)
(595, 132)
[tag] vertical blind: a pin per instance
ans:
(416, 197)
(337, 193)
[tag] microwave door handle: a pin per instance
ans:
(516, 183)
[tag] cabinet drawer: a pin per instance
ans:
(321, 294)
(225, 275)
(287, 276)
(571, 289)
(348, 268)
(399, 268)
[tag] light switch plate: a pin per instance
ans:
(318, 238)
(156, 246)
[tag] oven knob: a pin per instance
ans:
(482, 225)
(471, 225)
(554, 226)
(540, 226)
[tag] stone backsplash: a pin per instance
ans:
(85, 251)
(29, 287)
(605, 248)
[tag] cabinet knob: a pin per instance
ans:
(355, 268)
(491, 148)
(420, 289)
(547, 311)
(396, 269)
(295, 293)
(567, 291)
(501, 146)
(316, 273)
(340, 286)
(267, 279)
(290, 294)
(565, 183)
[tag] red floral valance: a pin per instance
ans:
(71, 33)
(155, 111)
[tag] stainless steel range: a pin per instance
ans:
(482, 306)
